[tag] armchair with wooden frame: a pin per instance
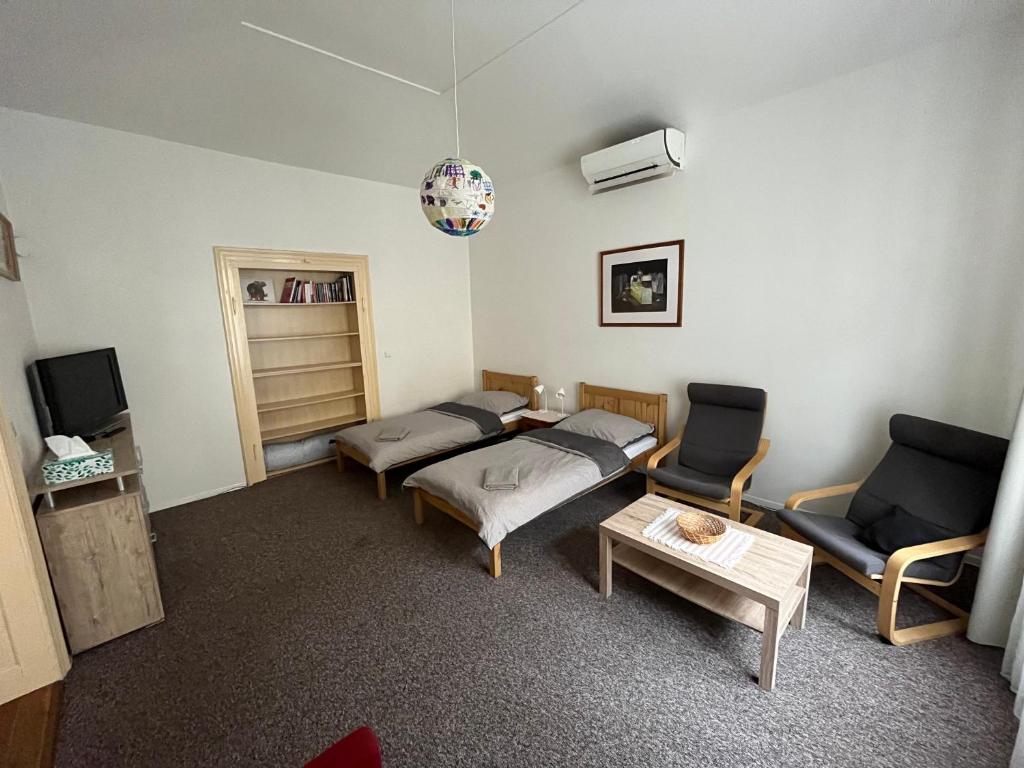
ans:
(719, 447)
(926, 504)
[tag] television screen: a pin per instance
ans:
(80, 392)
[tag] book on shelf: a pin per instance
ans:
(315, 292)
(286, 292)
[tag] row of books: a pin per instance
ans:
(309, 292)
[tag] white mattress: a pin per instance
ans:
(513, 415)
(644, 444)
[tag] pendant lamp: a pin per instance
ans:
(456, 196)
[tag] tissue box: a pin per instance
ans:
(57, 471)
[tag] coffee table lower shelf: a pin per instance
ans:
(701, 591)
(766, 590)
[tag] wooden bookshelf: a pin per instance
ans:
(298, 402)
(305, 429)
(299, 305)
(301, 336)
(290, 370)
(296, 373)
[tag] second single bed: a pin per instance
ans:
(614, 432)
(398, 440)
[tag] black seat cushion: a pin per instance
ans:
(943, 475)
(723, 428)
(842, 538)
(692, 481)
(900, 529)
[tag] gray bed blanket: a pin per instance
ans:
(549, 475)
(429, 432)
(608, 456)
(488, 423)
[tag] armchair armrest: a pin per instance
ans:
(665, 450)
(736, 490)
(893, 578)
(902, 558)
(800, 497)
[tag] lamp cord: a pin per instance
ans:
(455, 75)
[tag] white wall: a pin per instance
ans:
(855, 248)
(17, 349)
(120, 228)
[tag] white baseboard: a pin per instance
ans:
(200, 496)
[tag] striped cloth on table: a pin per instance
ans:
(725, 552)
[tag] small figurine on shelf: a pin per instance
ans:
(259, 291)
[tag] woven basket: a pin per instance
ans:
(700, 528)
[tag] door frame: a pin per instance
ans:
(31, 637)
(228, 261)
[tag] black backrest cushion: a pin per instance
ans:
(944, 475)
(723, 428)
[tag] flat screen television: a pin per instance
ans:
(77, 394)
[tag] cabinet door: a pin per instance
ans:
(101, 563)
(32, 651)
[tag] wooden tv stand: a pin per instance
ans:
(96, 537)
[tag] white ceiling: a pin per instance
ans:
(540, 80)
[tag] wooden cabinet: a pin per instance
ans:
(298, 368)
(96, 538)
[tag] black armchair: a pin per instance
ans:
(719, 447)
(926, 504)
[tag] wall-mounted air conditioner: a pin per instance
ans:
(657, 154)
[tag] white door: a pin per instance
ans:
(32, 649)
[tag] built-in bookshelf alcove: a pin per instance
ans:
(299, 331)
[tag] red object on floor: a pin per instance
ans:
(357, 750)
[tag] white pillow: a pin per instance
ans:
(613, 427)
(495, 401)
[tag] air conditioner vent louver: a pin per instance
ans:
(626, 175)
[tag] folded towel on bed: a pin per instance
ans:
(393, 434)
(501, 478)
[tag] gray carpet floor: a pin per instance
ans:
(302, 608)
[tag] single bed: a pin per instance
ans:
(430, 432)
(552, 470)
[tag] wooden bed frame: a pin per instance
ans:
(492, 381)
(642, 406)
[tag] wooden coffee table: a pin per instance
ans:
(766, 589)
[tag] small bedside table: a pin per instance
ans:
(540, 419)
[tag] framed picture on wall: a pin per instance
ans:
(642, 285)
(9, 262)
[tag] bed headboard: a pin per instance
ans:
(648, 407)
(512, 382)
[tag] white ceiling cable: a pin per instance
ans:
(313, 48)
(455, 78)
(382, 73)
(520, 41)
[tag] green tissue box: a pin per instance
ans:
(57, 471)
